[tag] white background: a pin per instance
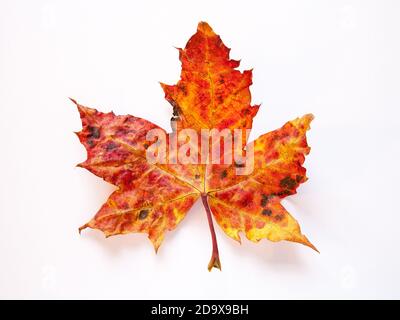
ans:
(336, 59)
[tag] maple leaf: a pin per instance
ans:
(153, 197)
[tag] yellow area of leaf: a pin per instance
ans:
(154, 198)
(252, 205)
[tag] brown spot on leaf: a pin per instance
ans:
(94, 132)
(245, 111)
(224, 174)
(288, 183)
(183, 89)
(90, 142)
(111, 146)
(266, 212)
(282, 193)
(239, 165)
(264, 199)
(176, 110)
(143, 214)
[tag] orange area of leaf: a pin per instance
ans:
(154, 198)
(211, 92)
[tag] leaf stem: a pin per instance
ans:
(214, 261)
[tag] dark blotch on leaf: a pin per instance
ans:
(94, 132)
(175, 110)
(246, 111)
(111, 146)
(224, 174)
(197, 176)
(266, 212)
(183, 89)
(264, 199)
(143, 214)
(299, 178)
(239, 165)
(90, 142)
(288, 183)
(282, 193)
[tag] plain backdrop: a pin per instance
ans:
(336, 59)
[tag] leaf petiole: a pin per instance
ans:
(214, 261)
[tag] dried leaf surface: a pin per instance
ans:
(154, 198)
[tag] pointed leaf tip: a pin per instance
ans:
(309, 117)
(82, 228)
(310, 245)
(205, 28)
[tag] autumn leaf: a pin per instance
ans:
(153, 197)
